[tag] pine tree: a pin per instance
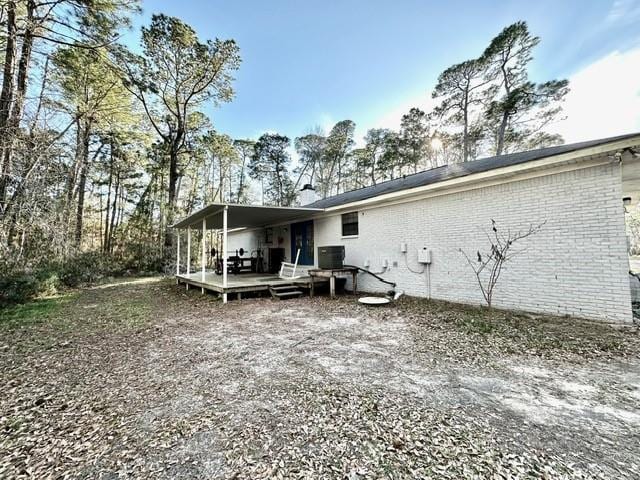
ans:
(520, 110)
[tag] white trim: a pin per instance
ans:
(347, 237)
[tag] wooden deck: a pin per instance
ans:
(243, 282)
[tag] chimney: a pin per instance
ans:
(307, 195)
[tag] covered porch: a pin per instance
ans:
(222, 218)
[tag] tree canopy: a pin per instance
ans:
(103, 148)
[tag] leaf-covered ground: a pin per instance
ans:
(140, 379)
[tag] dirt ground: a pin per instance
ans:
(140, 379)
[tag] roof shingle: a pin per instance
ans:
(457, 170)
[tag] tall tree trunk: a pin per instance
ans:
(121, 199)
(215, 180)
(114, 211)
(105, 244)
(299, 179)
(15, 115)
(82, 184)
(6, 96)
(101, 224)
(31, 154)
(329, 178)
(221, 179)
(279, 178)
(505, 114)
(501, 131)
(142, 209)
(72, 178)
(77, 163)
(193, 192)
(373, 169)
(313, 175)
(8, 72)
(241, 181)
(172, 194)
(465, 134)
(160, 197)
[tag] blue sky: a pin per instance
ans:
(311, 63)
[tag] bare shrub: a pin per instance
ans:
(487, 267)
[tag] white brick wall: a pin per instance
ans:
(576, 265)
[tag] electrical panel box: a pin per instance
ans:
(424, 255)
(403, 247)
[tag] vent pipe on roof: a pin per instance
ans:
(307, 195)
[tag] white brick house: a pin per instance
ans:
(577, 264)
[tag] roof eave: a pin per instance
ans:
(546, 162)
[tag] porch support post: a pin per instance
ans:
(188, 254)
(224, 252)
(188, 249)
(178, 255)
(204, 248)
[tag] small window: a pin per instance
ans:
(350, 224)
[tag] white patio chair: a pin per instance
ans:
(288, 270)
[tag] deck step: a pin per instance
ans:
(282, 292)
(295, 293)
(283, 287)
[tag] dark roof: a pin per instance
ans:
(457, 170)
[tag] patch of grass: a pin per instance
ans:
(127, 312)
(114, 307)
(33, 312)
(478, 325)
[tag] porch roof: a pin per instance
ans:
(244, 216)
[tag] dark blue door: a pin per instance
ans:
(302, 239)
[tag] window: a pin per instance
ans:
(350, 224)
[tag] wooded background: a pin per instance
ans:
(103, 148)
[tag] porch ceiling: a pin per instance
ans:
(239, 216)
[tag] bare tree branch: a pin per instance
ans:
(488, 266)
